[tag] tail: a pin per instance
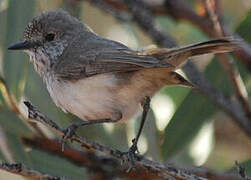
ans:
(177, 56)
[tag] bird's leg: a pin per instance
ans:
(130, 154)
(70, 130)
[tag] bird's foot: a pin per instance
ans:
(68, 133)
(131, 156)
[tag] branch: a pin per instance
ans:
(115, 6)
(100, 164)
(20, 169)
(164, 171)
(214, 11)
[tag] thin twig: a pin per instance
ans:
(20, 169)
(212, 175)
(214, 12)
(108, 166)
(152, 166)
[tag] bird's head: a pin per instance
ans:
(47, 36)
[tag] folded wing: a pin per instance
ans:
(97, 55)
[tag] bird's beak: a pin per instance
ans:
(21, 45)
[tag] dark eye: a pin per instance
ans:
(50, 37)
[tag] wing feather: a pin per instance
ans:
(96, 55)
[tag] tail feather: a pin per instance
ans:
(177, 56)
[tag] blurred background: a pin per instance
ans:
(183, 127)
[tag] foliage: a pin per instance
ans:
(191, 110)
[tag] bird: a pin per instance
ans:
(101, 80)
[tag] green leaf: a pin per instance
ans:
(3, 15)
(195, 109)
(184, 32)
(244, 28)
(14, 129)
(192, 114)
(54, 165)
(15, 63)
(11, 123)
(176, 93)
(247, 166)
(150, 131)
(3, 21)
(2, 158)
(17, 149)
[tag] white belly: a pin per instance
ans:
(92, 98)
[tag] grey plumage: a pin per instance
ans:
(100, 80)
(96, 78)
(96, 55)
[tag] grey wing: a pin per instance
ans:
(84, 58)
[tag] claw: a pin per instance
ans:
(68, 133)
(63, 142)
(130, 156)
